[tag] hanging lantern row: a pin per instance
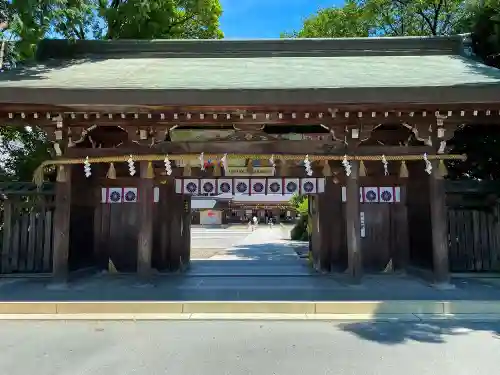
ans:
(218, 161)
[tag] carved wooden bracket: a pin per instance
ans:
(366, 132)
(357, 133)
(339, 133)
(423, 132)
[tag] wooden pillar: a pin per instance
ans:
(316, 245)
(175, 209)
(310, 224)
(437, 200)
(329, 210)
(61, 227)
(353, 225)
(186, 232)
(7, 232)
(145, 235)
(166, 191)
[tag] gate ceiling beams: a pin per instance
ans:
(286, 116)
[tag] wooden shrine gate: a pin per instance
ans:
(117, 129)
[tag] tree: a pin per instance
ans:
(300, 230)
(4, 14)
(166, 19)
(351, 20)
(33, 20)
(297, 199)
(481, 144)
(484, 21)
(415, 17)
(23, 150)
(361, 18)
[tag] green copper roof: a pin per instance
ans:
(176, 66)
(259, 73)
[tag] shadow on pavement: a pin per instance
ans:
(392, 333)
(247, 283)
(285, 251)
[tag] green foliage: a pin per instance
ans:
(26, 149)
(362, 18)
(484, 21)
(303, 207)
(348, 21)
(415, 17)
(297, 199)
(33, 20)
(165, 19)
(300, 230)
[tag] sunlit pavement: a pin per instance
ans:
(207, 242)
(263, 251)
(261, 348)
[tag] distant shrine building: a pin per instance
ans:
(138, 128)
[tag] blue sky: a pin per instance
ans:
(267, 18)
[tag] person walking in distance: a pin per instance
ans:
(255, 221)
(270, 222)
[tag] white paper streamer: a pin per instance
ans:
(86, 167)
(224, 162)
(202, 162)
(346, 165)
(273, 164)
(307, 164)
(168, 166)
(385, 163)
(131, 167)
(428, 165)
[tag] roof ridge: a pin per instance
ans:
(66, 49)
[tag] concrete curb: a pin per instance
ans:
(340, 310)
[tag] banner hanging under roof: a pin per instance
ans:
(250, 186)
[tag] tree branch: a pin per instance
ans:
(437, 10)
(180, 22)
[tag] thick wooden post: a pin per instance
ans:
(62, 216)
(165, 218)
(186, 232)
(7, 232)
(145, 237)
(328, 212)
(316, 245)
(437, 198)
(353, 225)
(175, 209)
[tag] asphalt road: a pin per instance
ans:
(237, 348)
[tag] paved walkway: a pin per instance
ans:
(207, 242)
(262, 267)
(263, 252)
(201, 287)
